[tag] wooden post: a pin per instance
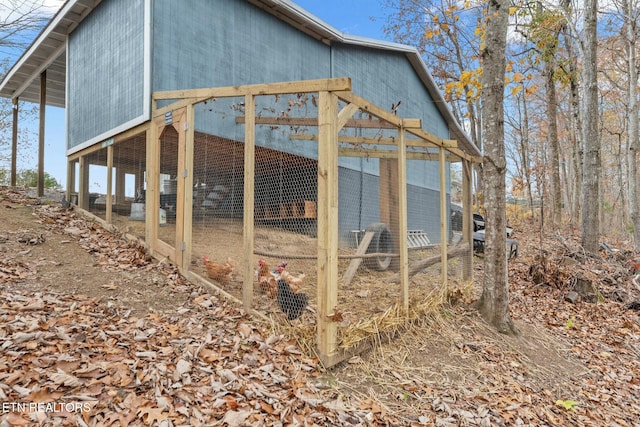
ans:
(389, 204)
(188, 185)
(444, 231)
(249, 199)
(153, 189)
(83, 190)
(402, 221)
(14, 143)
(71, 180)
(327, 222)
(467, 219)
(121, 179)
(181, 126)
(109, 201)
(43, 106)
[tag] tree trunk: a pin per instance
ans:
(629, 23)
(592, 168)
(494, 302)
(552, 138)
(577, 140)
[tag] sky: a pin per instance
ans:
(358, 17)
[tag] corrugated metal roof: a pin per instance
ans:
(48, 51)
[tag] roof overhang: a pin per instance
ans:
(48, 52)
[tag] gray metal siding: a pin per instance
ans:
(214, 43)
(106, 70)
(384, 78)
(359, 201)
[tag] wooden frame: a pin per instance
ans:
(329, 122)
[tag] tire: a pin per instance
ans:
(380, 243)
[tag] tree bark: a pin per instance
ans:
(630, 31)
(494, 302)
(576, 132)
(552, 139)
(592, 166)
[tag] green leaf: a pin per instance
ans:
(569, 404)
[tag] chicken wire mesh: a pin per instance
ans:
(167, 179)
(285, 192)
(73, 186)
(95, 189)
(286, 198)
(129, 190)
(218, 193)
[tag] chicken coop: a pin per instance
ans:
(301, 200)
(302, 171)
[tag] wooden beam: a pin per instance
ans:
(327, 222)
(301, 86)
(313, 121)
(457, 251)
(370, 108)
(412, 123)
(449, 144)
(391, 154)
(153, 187)
(83, 190)
(159, 112)
(403, 246)
(249, 201)
(71, 179)
(144, 127)
(467, 219)
(355, 262)
(361, 140)
(14, 143)
(180, 125)
(43, 107)
(109, 197)
(188, 185)
(129, 133)
(444, 230)
(345, 114)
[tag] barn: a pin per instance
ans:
(247, 130)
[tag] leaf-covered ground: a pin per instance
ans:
(87, 319)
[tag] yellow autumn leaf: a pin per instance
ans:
(428, 34)
(477, 31)
(513, 10)
(509, 67)
(517, 77)
(444, 26)
(515, 90)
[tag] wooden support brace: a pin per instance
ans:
(355, 263)
(428, 262)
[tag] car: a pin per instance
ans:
(456, 219)
(478, 221)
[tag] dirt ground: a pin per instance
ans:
(449, 368)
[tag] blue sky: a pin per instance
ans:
(358, 17)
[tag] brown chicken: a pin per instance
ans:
(267, 279)
(220, 272)
(294, 282)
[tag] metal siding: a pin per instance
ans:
(215, 43)
(106, 70)
(359, 201)
(384, 78)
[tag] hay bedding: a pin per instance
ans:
(367, 307)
